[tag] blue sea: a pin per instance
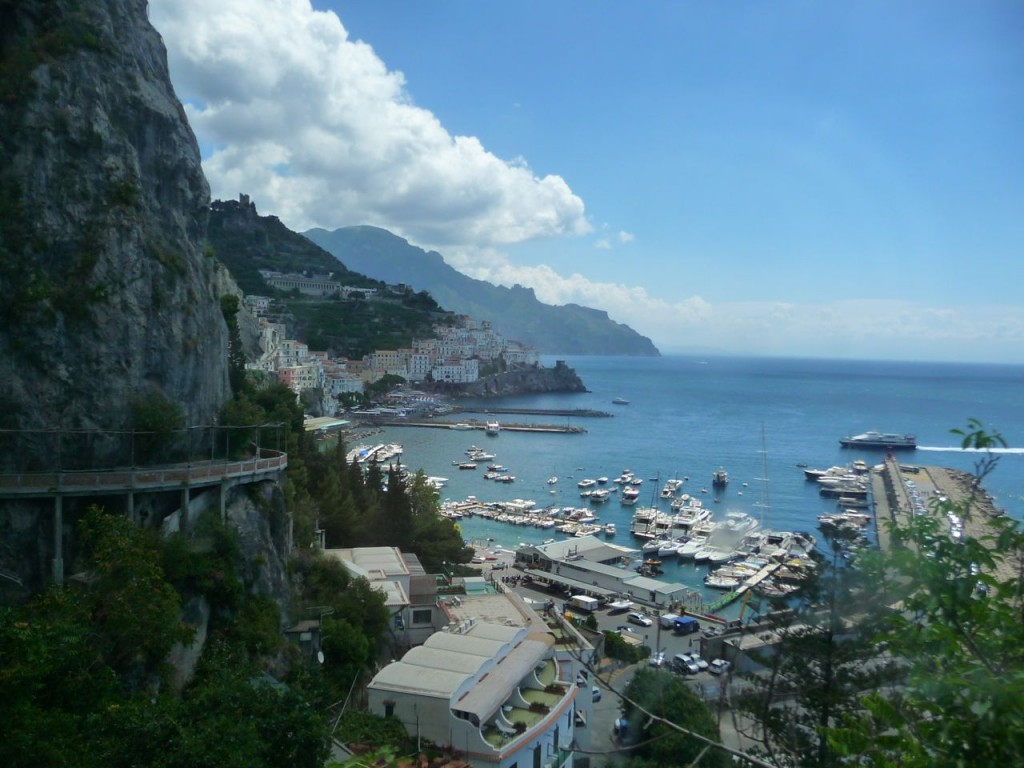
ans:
(758, 418)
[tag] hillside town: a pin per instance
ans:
(454, 354)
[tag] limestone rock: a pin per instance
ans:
(106, 291)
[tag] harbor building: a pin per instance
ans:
(587, 565)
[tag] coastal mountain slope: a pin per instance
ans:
(515, 312)
(106, 292)
(246, 242)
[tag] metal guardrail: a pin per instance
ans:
(117, 480)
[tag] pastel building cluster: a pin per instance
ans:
(453, 354)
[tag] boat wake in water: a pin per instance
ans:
(958, 449)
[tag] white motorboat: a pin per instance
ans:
(714, 581)
(690, 548)
(671, 486)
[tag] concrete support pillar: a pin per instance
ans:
(223, 500)
(58, 539)
(183, 516)
(131, 505)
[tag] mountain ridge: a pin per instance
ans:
(516, 312)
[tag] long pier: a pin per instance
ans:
(570, 412)
(480, 426)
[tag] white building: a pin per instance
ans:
(410, 593)
(494, 685)
(457, 371)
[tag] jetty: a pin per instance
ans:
(570, 412)
(903, 490)
(564, 429)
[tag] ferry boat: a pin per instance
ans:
(492, 428)
(873, 439)
(720, 478)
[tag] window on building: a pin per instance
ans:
(389, 709)
(421, 616)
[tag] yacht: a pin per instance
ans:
(492, 428)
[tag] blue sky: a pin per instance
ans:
(792, 178)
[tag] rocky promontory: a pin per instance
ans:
(519, 381)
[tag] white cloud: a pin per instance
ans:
(318, 131)
(862, 328)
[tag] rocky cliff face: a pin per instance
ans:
(105, 289)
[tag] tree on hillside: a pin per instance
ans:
(958, 629)
(395, 526)
(822, 657)
(667, 696)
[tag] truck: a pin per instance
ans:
(685, 625)
(668, 620)
(584, 603)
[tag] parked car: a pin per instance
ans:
(683, 664)
(702, 665)
(639, 618)
(657, 659)
(596, 692)
(719, 667)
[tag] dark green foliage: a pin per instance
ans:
(363, 728)
(133, 609)
(156, 421)
(229, 305)
(664, 695)
(356, 328)
(617, 648)
(205, 561)
(247, 242)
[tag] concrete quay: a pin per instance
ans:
(480, 427)
(893, 503)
